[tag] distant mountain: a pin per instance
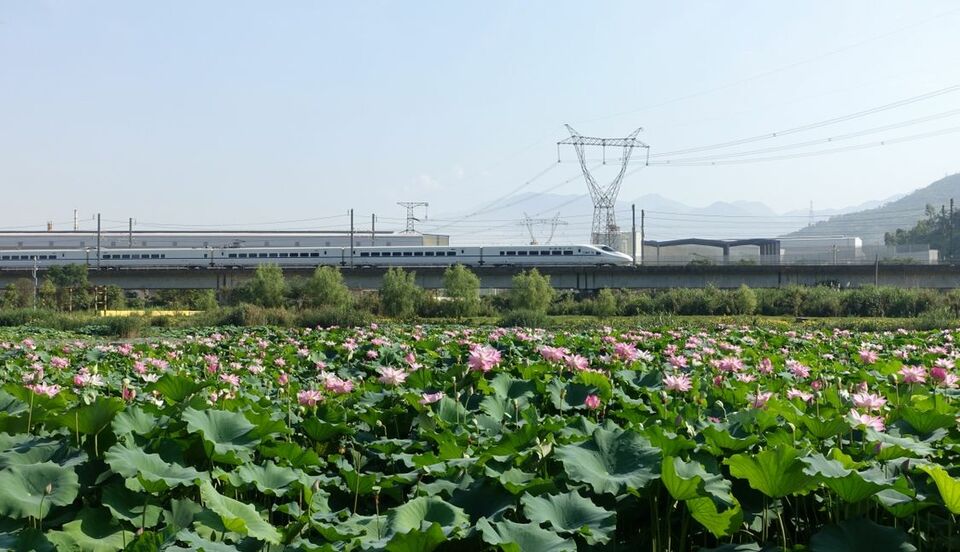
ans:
(665, 218)
(871, 224)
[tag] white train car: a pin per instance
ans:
(244, 257)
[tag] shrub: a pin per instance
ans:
(462, 288)
(267, 288)
(399, 294)
(743, 300)
(531, 291)
(604, 304)
(332, 316)
(525, 318)
(326, 288)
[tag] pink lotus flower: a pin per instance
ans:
(730, 364)
(913, 374)
(279, 362)
(411, 360)
(765, 366)
(283, 378)
(577, 362)
(798, 394)
(867, 356)
(231, 379)
(309, 398)
(679, 383)
(875, 422)
(59, 362)
(336, 385)
(868, 401)
(592, 402)
(759, 400)
(430, 398)
(371, 354)
(677, 361)
(625, 352)
(391, 376)
(552, 354)
(938, 374)
(483, 358)
(44, 389)
(128, 394)
(797, 369)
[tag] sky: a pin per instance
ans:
(287, 114)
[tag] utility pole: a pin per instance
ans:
(950, 228)
(76, 221)
(351, 237)
(36, 286)
(98, 240)
(130, 233)
(643, 235)
(633, 231)
(373, 229)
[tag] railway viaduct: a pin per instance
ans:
(575, 278)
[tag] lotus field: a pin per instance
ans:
(422, 438)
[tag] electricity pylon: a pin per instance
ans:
(604, 230)
(411, 216)
(531, 222)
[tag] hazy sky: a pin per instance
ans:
(234, 113)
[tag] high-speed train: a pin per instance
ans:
(239, 257)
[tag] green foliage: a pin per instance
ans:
(531, 291)
(399, 294)
(267, 288)
(327, 289)
(462, 288)
(605, 303)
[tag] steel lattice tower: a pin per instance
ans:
(604, 230)
(410, 206)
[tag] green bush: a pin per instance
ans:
(524, 318)
(743, 300)
(399, 294)
(462, 288)
(332, 316)
(605, 304)
(326, 288)
(268, 287)
(531, 291)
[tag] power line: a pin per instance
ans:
(910, 138)
(810, 126)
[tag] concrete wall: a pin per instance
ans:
(641, 277)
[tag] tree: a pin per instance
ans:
(47, 295)
(326, 288)
(114, 297)
(744, 300)
(531, 291)
(462, 287)
(399, 293)
(18, 294)
(267, 287)
(72, 286)
(605, 304)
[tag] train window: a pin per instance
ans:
(511, 253)
(534, 253)
(284, 255)
(597, 253)
(315, 254)
(364, 254)
(163, 255)
(407, 254)
(568, 252)
(204, 255)
(154, 256)
(502, 253)
(242, 255)
(125, 256)
(375, 254)
(429, 253)
(5, 258)
(395, 254)
(556, 253)
(418, 254)
(522, 253)
(273, 255)
(451, 253)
